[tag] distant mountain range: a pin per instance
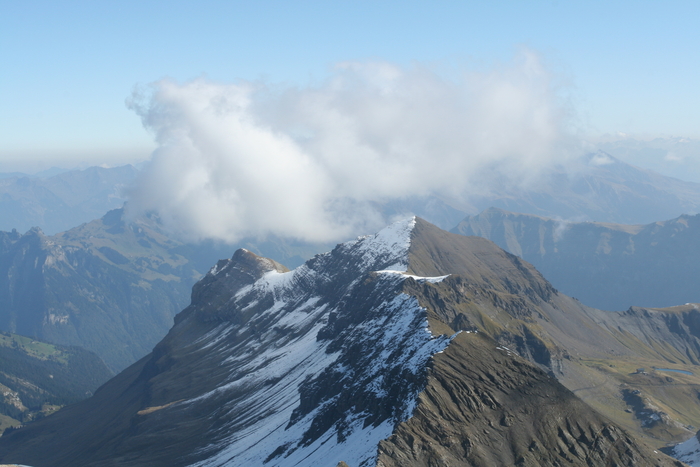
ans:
(113, 286)
(598, 187)
(608, 266)
(62, 201)
(411, 347)
(110, 286)
(107, 286)
(672, 156)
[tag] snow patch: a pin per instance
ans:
(688, 452)
(434, 279)
(391, 244)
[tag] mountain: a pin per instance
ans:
(673, 156)
(111, 285)
(62, 201)
(108, 286)
(597, 188)
(608, 266)
(413, 346)
(38, 378)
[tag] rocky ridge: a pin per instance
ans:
(375, 353)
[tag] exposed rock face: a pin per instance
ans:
(318, 365)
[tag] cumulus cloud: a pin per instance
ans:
(235, 160)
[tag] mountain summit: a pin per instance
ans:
(374, 354)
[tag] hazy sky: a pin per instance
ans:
(69, 66)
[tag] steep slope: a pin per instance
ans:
(318, 365)
(608, 266)
(484, 406)
(238, 376)
(596, 354)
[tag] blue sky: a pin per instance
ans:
(69, 66)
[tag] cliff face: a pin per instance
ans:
(399, 348)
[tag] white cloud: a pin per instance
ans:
(250, 159)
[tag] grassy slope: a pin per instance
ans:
(500, 295)
(37, 378)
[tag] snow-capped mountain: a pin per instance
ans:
(290, 356)
(378, 353)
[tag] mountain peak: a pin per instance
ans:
(385, 250)
(230, 275)
(247, 265)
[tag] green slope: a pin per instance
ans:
(38, 378)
